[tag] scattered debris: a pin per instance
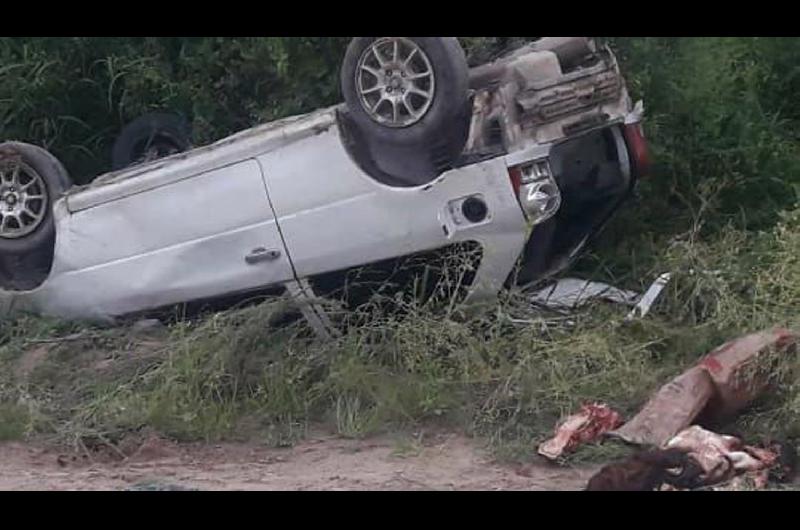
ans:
(649, 297)
(593, 420)
(673, 408)
(568, 294)
(743, 369)
(723, 383)
(644, 471)
(721, 458)
(686, 455)
(698, 458)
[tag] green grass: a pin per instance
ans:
(14, 422)
(229, 376)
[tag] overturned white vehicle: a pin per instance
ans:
(523, 159)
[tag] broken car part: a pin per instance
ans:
(571, 293)
(567, 294)
(649, 297)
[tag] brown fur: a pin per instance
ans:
(646, 471)
(785, 469)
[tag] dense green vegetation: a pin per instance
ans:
(727, 101)
(723, 123)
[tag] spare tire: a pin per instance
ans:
(150, 137)
(409, 92)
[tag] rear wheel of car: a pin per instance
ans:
(409, 92)
(31, 180)
(150, 137)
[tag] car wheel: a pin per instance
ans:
(149, 138)
(31, 180)
(409, 92)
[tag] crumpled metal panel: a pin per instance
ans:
(333, 216)
(230, 150)
(185, 241)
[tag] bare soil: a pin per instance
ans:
(445, 461)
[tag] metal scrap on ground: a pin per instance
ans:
(568, 294)
(571, 293)
(650, 296)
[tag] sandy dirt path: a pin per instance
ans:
(445, 462)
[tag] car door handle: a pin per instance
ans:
(262, 254)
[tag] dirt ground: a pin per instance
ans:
(444, 462)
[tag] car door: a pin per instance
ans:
(176, 239)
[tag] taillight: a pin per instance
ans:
(637, 146)
(516, 178)
(529, 172)
(535, 189)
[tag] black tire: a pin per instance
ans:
(164, 134)
(438, 133)
(25, 261)
(57, 182)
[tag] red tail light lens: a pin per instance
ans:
(536, 191)
(515, 173)
(637, 145)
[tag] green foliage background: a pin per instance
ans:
(72, 95)
(721, 111)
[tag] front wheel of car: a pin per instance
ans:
(408, 92)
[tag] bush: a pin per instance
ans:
(72, 95)
(720, 117)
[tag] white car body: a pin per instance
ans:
(273, 205)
